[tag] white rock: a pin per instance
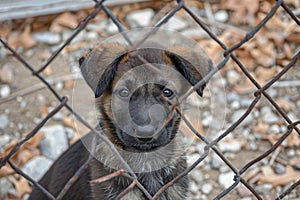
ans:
(140, 18)
(237, 114)
(206, 188)
(226, 179)
(176, 23)
(193, 187)
(268, 116)
(6, 73)
(47, 38)
(111, 28)
(4, 140)
(37, 167)
(194, 32)
(221, 16)
(5, 187)
(293, 117)
(197, 176)
(232, 146)
(92, 36)
(5, 91)
(233, 77)
(4, 121)
(274, 129)
(216, 161)
(55, 141)
(235, 105)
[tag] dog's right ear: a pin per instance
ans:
(98, 66)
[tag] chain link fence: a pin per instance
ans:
(228, 53)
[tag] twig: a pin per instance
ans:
(107, 177)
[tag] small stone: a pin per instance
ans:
(206, 188)
(140, 18)
(112, 28)
(207, 121)
(293, 117)
(176, 23)
(70, 133)
(37, 167)
(268, 116)
(4, 121)
(191, 159)
(291, 153)
(197, 176)
(272, 92)
(5, 187)
(236, 115)
(55, 141)
(5, 91)
(221, 16)
(97, 26)
(4, 140)
(233, 77)
(6, 73)
(223, 169)
(216, 161)
(194, 32)
(264, 189)
(59, 85)
(279, 168)
(235, 105)
(226, 179)
(274, 129)
(47, 38)
(92, 36)
(194, 187)
(232, 146)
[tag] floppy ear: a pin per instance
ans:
(99, 65)
(193, 64)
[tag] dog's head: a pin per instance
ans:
(135, 90)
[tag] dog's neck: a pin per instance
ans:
(153, 169)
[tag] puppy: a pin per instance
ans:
(134, 92)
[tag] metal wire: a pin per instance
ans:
(228, 53)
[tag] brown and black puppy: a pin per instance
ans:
(133, 92)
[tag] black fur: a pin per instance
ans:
(185, 68)
(107, 76)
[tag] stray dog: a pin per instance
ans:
(134, 91)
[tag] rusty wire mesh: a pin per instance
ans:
(210, 146)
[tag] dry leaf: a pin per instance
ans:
(25, 153)
(263, 75)
(261, 128)
(66, 19)
(21, 185)
(293, 140)
(285, 104)
(5, 30)
(269, 176)
(26, 40)
(6, 170)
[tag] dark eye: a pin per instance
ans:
(123, 92)
(168, 92)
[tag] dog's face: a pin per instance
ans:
(135, 91)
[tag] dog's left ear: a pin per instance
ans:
(193, 64)
(99, 65)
